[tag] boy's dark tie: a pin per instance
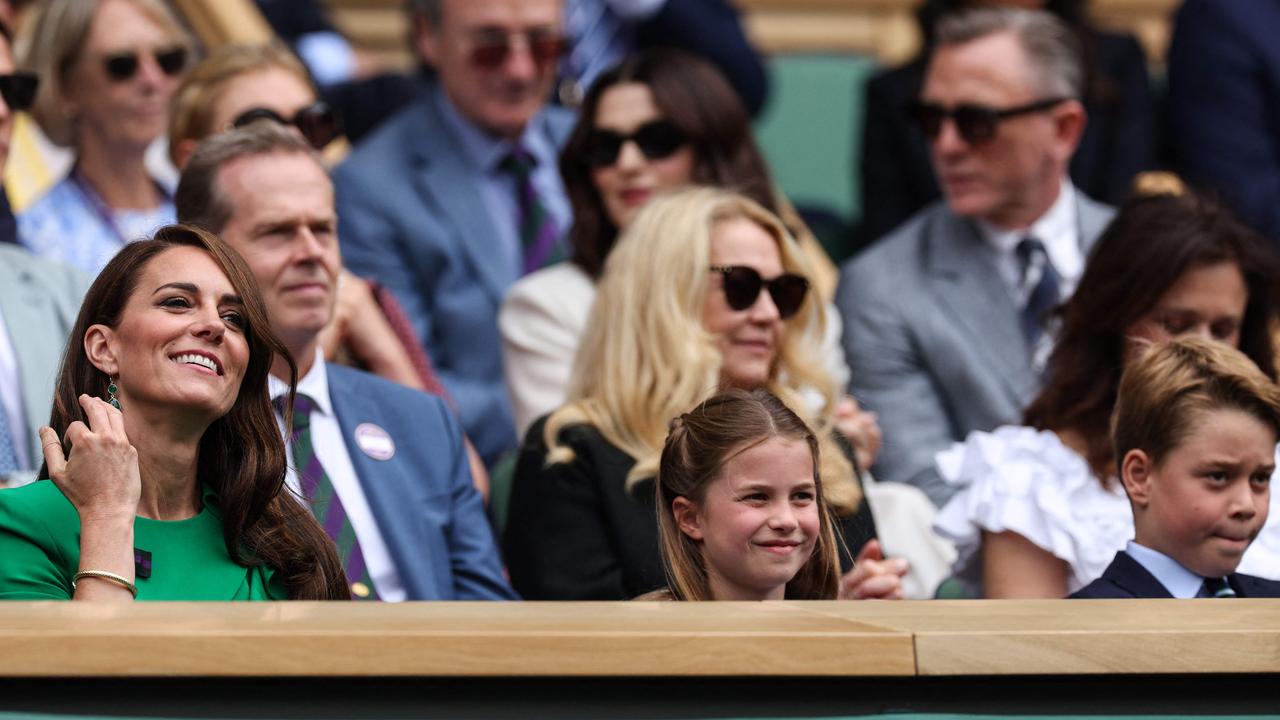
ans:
(1216, 588)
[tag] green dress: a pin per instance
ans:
(40, 552)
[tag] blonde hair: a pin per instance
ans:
(50, 43)
(1163, 390)
(191, 109)
(699, 445)
(646, 358)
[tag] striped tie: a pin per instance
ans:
(539, 235)
(1216, 588)
(325, 504)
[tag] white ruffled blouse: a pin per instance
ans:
(1026, 481)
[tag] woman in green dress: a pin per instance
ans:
(165, 463)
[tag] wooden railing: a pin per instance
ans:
(885, 29)
(658, 639)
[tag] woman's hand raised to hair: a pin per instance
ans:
(862, 428)
(100, 477)
(873, 577)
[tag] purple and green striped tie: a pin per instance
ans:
(539, 235)
(325, 504)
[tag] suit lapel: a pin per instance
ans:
(446, 180)
(972, 293)
(25, 306)
(1130, 576)
(393, 501)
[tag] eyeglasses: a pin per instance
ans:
(491, 49)
(742, 287)
(19, 89)
(317, 122)
(123, 65)
(656, 140)
(975, 123)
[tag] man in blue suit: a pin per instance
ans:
(458, 195)
(383, 464)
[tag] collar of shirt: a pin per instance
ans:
(484, 151)
(315, 385)
(1058, 229)
(1179, 581)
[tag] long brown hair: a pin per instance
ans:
(694, 97)
(1149, 245)
(242, 454)
(701, 441)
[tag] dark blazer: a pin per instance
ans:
(1118, 142)
(934, 340)
(574, 533)
(1126, 578)
(429, 512)
(1224, 104)
(411, 215)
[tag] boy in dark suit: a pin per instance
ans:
(1195, 428)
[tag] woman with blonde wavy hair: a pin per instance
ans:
(704, 290)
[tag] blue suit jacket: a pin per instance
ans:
(411, 215)
(1224, 104)
(430, 515)
(1126, 578)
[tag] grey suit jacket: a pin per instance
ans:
(411, 215)
(934, 340)
(39, 300)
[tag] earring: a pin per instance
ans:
(111, 392)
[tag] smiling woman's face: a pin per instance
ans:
(180, 343)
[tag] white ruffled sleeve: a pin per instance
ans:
(1263, 556)
(1026, 481)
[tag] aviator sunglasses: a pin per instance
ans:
(317, 122)
(975, 123)
(123, 65)
(491, 49)
(656, 140)
(742, 287)
(19, 89)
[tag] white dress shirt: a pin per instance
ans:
(1179, 581)
(1058, 229)
(11, 398)
(331, 447)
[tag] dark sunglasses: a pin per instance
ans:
(742, 287)
(656, 140)
(317, 122)
(124, 65)
(975, 123)
(19, 89)
(491, 50)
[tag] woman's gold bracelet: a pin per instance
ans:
(109, 577)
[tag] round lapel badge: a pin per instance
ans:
(375, 442)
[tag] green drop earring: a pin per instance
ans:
(111, 392)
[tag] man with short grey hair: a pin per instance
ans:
(945, 318)
(382, 465)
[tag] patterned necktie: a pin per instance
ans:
(325, 504)
(538, 232)
(1216, 588)
(8, 456)
(1040, 283)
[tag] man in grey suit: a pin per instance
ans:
(458, 195)
(945, 318)
(39, 300)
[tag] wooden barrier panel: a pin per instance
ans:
(443, 639)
